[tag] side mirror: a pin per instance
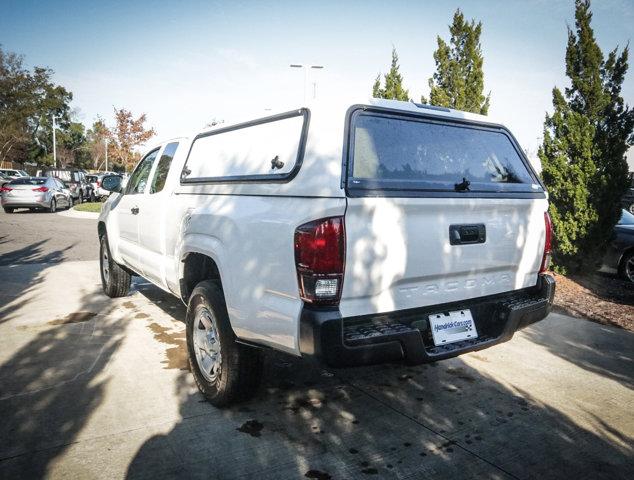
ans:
(112, 183)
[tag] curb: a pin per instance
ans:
(72, 213)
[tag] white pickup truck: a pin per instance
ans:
(377, 232)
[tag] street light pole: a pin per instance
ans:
(105, 141)
(54, 144)
(305, 68)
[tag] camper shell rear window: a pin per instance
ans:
(396, 152)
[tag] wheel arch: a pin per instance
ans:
(195, 267)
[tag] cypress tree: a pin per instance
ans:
(393, 83)
(584, 146)
(459, 79)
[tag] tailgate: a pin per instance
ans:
(440, 209)
(399, 254)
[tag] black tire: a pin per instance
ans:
(240, 366)
(630, 208)
(92, 196)
(626, 268)
(71, 202)
(114, 279)
(53, 207)
(8, 210)
(80, 199)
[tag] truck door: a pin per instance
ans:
(151, 218)
(127, 211)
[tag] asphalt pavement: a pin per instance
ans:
(97, 388)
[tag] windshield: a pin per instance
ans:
(426, 154)
(28, 181)
(626, 218)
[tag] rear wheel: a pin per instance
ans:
(8, 210)
(631, 208)
(626, 269)
(92, 196)
(53, 207)
(114, 279)
(224, 370)
(80, 199)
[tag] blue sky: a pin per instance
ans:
(186, 63)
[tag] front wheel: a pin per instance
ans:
(631, 208)
(224, 370)
(626, 269)
(53, 207)
(8, 210)
(114, 279)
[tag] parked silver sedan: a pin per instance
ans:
(35, 193)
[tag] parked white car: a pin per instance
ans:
(384, 231)
(13, 173)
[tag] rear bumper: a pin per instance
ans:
(405, 335)
(25, 203)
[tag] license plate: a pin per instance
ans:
(452, 327)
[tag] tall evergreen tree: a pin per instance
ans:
(459, 79)
(393, 83)
(583, 152)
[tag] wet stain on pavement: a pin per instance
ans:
(251, 427)
(128, 304)
(75, 317)
(177, 352)
(317, 475)
(141, 315)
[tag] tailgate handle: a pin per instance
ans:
(467, 234)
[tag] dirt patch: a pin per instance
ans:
(128, 304)
(141, 315)
(177, 352)
(75, 317)
(599, 297)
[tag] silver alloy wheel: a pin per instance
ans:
(207, 345)
(629, 269)
(631, 208)
(105, 264)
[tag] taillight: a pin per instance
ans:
(98, 184)
(548, 244)
(320, 252)
(5, 189)
(41, 189)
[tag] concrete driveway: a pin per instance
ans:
(96, 388)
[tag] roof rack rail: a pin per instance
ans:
(430, 107)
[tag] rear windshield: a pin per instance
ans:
(28, 181)
(415, 153)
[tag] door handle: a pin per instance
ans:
(134, 210)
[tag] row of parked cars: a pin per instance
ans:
(49, 189)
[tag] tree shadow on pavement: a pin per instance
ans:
(51, 385)
(33, 253)
(442, 420)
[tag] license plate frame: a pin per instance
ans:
(452, 326)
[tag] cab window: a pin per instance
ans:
(163, 166)
(138, 179)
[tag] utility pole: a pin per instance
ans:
(305, 68)
(54, 144)
(105, 141)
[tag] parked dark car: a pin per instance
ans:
(80, 188)
(628, 198)
(620, 255)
